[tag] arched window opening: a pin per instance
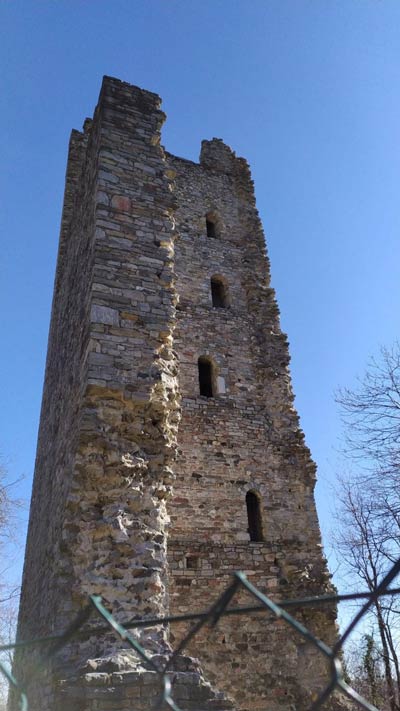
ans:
(219, 293)
(206, 377)
(210, 225)
(213, 224)
(254, 516)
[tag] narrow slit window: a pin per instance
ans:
(254, 516)
(210, 225)
(219, 293)
(192, 562)
(205, 377)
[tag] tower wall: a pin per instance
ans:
(65, 380)
(109, 420)
(244, 439)
(132, 313)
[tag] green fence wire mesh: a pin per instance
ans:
(219, 609)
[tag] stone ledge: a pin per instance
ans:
(116, 691)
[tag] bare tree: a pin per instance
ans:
(8, 623)
(9, 530)
(9, 591)
(371, 417)
(361, 549)
(368, 540)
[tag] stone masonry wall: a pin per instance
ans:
(104, 466)
(132, 313)
(64, 381)
(246, 438)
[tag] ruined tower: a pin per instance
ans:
(169, 453)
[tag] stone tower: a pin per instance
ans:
(169, 453)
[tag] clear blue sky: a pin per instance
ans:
(306, 90)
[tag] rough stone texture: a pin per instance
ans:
(246, 439)
(132, 313)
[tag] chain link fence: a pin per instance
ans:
(219, 609)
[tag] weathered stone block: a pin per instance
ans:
(103, 314)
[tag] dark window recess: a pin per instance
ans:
(192, 563)
(218, 293)
(205, 377)
(254, 516)
(211, 231)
